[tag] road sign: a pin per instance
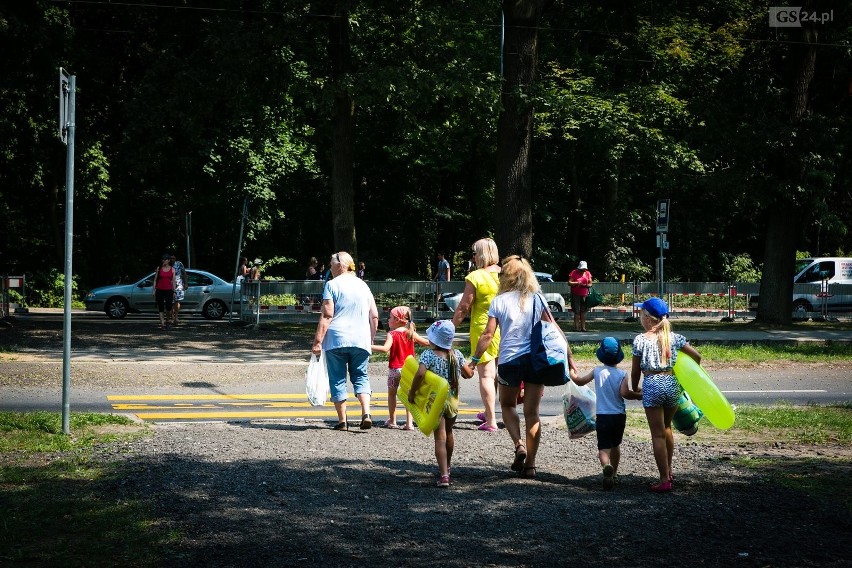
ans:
(64, 98)
(663, 208)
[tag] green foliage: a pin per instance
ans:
(739, 268)
(48, 290)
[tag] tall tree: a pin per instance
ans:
(512, 211)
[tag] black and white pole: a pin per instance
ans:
(67, 102)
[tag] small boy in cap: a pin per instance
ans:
(611, 389)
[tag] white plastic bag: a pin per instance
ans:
(578, 405)
(316, 380)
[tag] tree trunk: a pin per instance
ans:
(785, 221)
(512, 210)
(342, 189)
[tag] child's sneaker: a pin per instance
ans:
(443, 481)
(608, 477)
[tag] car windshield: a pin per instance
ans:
(801, 264)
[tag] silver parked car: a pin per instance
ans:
(206, 294)
(554, 299)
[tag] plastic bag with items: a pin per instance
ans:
(578, 405)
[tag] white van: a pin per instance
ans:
(814, 286)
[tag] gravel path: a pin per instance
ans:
(297, 493)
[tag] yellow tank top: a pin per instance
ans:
(486, 284)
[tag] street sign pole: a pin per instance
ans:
(663, 209)
(67, 111)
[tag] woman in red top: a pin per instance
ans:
(580, 280)
(399, 345)
(164, 289)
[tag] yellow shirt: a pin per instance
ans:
(486, 284)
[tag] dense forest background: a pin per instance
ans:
(373, 125)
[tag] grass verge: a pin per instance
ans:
(823, 471)
(61, 507)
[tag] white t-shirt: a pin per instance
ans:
(515, 323)
(350, 326)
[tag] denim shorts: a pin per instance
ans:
(338, 361)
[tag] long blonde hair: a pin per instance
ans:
(517, 276)
(662, 328)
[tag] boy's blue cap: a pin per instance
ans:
(610, 353)
(654, 306)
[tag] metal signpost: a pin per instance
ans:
(663, 209)
(67, 102)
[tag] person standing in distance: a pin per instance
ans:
(181, 284)
(580, 280)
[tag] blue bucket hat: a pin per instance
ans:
(441, 333)
(609, 352)
(654, 306)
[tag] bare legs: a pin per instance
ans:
(444, 443)
(487, 379)
(532, 422)
(409, 424)
(340, 407)
(660, 424)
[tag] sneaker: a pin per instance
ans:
(366, 422)
(443, 481)
(608, 477)
(663, 487)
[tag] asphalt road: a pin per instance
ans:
(273, 387)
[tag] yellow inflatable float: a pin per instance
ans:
(428, 400)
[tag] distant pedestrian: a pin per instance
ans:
(362, 271)
(580, 280)
(163, 289)
(654, 355)
(311, 272)
(442, 274)
(399, 344)
(181, 284)
(448, 363)
(242, 271)
(611, 388)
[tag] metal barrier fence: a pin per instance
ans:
(299, 301)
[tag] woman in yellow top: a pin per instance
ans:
(480, 287)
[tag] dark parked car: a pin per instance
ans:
(206, 294)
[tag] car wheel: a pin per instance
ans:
(554, 306)
(801, 310)
(214, 309)
(116, 308)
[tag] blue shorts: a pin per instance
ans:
(660, 390)
(610, 430)
(338, 361)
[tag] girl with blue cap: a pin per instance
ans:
(654, 355)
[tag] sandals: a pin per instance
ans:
(341, 426)
(528, 472)
(366, 422)
(390, 425)
(520, 458)
(663, 487)
(443, 481)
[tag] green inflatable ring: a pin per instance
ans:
(703, 392)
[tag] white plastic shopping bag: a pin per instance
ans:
(316, 380)
(578, 405)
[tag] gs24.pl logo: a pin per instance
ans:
(794, 16)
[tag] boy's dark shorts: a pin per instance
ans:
(610, 429)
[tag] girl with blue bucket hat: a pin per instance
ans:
(611, 389)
